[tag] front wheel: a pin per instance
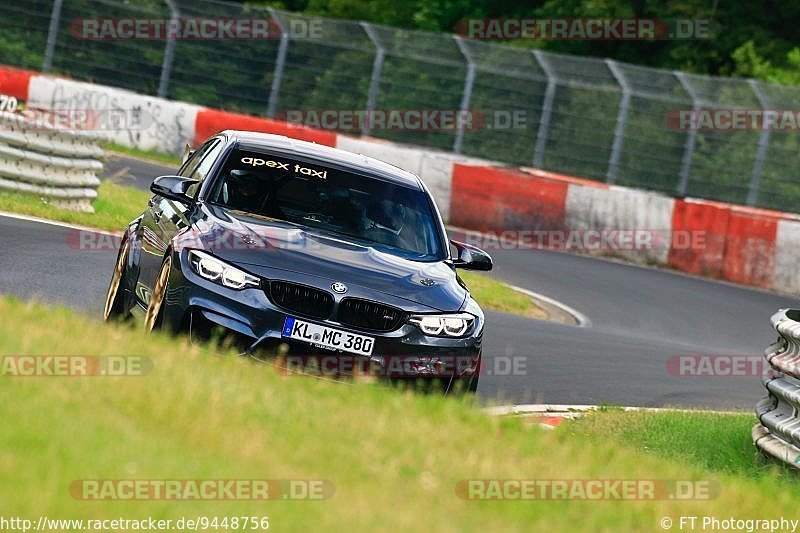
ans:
(154, 316)
(115, 308)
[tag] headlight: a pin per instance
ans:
(211, 268)
(456, 325)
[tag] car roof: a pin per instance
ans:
(358, 163)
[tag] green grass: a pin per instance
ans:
(161, 157)
(393, 457)
(115, 207)
(713, 442)
(494, 295)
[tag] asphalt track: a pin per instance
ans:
(640, 318)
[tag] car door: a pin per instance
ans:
(172, 217)
(162, 220)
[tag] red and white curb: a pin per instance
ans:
(550, 416)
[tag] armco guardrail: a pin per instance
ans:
(778, 430)
(60, 165)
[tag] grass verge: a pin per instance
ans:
(159, 157)
(115, 207)
(393, 457)
(716, 443)
(495, 295)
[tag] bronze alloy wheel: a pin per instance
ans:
(114, 298)
(153, 316)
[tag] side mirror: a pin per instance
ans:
(173, 188)
(471, 257)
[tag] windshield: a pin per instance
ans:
(384, 215)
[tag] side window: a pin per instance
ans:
(201, 171)
(191, 164)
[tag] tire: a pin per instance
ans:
(154, 317)
(115, 308)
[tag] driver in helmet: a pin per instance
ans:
(244, 191)
(387, 219)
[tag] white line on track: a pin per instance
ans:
(57, 223)
(583, 320)
(560, 409)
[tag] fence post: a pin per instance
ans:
(466, 94)
(169, 52)
(52, 36)
(761, 152)
(622, 119)
(375, 79)
(691, 138)
(280, 62)
(547, 109)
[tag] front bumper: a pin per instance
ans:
(250, 314)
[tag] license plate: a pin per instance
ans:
(326, 337)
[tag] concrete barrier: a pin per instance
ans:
(211, 121)
(710, 219)
(750, 247)
(787, 254)
(617, 208)
(499, 199)
(143, 122)
(14, 82)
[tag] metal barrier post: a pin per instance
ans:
(691, 138)
(52, 36)
(280, 62)
(375, 79)
(59, 164)
(547, 109)
(622, 118)
(466, 94)
(761, 152)
(775, 434)
(169, 52)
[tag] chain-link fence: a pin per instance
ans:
(583, 116)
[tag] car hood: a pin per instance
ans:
(263, 246)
